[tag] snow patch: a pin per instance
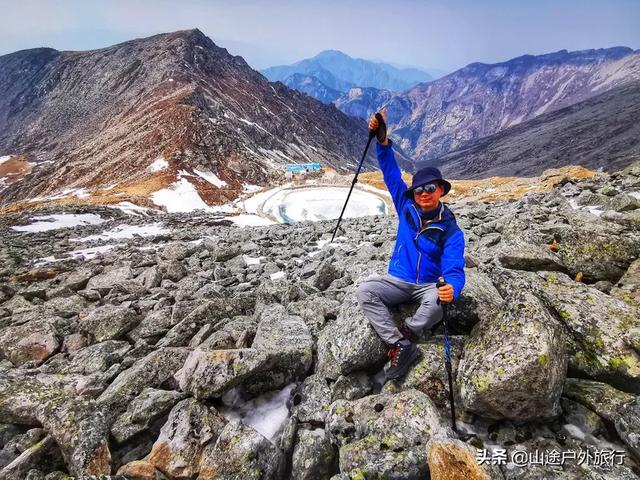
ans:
(265, 413)
(248, 220)
(126, 231)
(132, 209)
(181, 196)
(252, 260)
(593, 209)
(78, 192)
(277, 275)
(210, 177)
(158, 165)
(635, 194)
(5, 158)
(63, 220)
(85, 254)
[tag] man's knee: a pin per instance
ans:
(427, 315)
(364, 293)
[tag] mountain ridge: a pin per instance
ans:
(89, 119)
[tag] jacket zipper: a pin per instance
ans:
(430, 227)
(416, 238)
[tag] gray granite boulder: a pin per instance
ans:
(620, 408)
(108, 279)
(152, 370)
(109, 322)
(189, 428)
(514, 366)
(241, 453)
(34, 341)
(385, 433)
(349, 343)
(150, 405)
(314, 456)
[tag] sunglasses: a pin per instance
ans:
(429, 188)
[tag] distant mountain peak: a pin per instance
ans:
(338, 71)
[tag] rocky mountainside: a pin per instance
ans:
(479, 100)
(313, 87)
(602, 132)
(154, 357)
(338, 71)
(102, 117)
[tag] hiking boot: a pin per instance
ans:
(408, 333)
(401, 356)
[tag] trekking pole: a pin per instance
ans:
(447, 354)
(372, 133)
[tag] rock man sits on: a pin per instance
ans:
(429, 245)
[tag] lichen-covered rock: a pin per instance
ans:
(620, 408)
(385, 432)
(287, 340)
(325, 274)
(373, 456)
(581, 462)
(44, 455)
(628, 287)
(598, 256)
(95, 358)
(78, 425)
(351, 387)
(77, 279)
(208, 373)
(154, 325)
(18, 304)
(98, 357)
(140, 470)
(314, 457)
(451, 459)
(311, 400)
(150, 371)
(34, 341)
(145, 408)
(519, 255)
(108, 279)
(36, 347)
(350, 341)
(109, 322)
(189, 428)
(241, 453)
(514, 366)
(178, 251)
(315, 311)
(479, 300)
(598, 323)
(211, 312)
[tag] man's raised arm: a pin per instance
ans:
(390, 170)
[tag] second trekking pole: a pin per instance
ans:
(447, 355)
(372, 134)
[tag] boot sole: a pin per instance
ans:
(414, 357)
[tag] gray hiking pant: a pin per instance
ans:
(377, 294)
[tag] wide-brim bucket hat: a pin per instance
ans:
(428, 175)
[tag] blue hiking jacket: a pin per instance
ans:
(423, 252)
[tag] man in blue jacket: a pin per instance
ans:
(429, 245)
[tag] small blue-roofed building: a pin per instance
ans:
(301, 168)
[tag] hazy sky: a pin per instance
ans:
(444, 34)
